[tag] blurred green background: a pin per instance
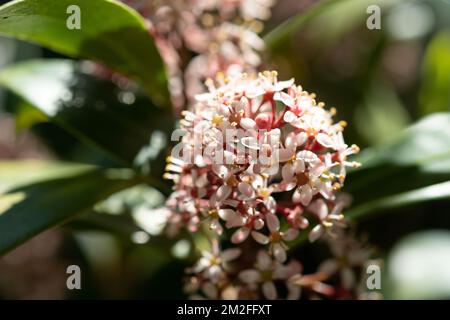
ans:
(381, 82)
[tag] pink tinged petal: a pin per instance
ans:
(307, 156)
(296, 197)
(250, 276)
(290, 235)
(246, 189)
(289, 117)
(236, 221)
(322, 211)
(281, 85)
(210, 290)
(240, 235)
(272, 222)
(316, 233)
(230, 254)
(306, 194)
(285, 154)
(325, 140)
(216, 226)
(299, 166)
(227, 214)
(263, 261)
(348, 278)
(201, 265)
(269, 290)
(250, 142)
(279, 252)
(258, 224)
(248, 123)
(214, 273)
(285, 98)
(260, 238)
(223, 193)
(301, 138)
(329, 266)
(287, 172)
(271, 204)
(294, 291)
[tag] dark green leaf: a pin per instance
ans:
(440, 191)
(111, 33)
(42, 205)
(413, 168)
(118, 121)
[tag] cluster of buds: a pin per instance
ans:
(199, 38)
(259, 164)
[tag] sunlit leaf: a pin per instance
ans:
(52, 202)
(435, 93)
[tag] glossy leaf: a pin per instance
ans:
(440, 191)
(119, 121)
(111, 33)
(42, 205)
(435, 93)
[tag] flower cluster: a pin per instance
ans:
(259, 163)
(199, 38)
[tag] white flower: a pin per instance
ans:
(277, 247)
(213, 264)
(267, 271)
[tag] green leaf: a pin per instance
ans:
(440, 191)
(435, 92)
(42, 205)
(119, 121)
(15, 173)
(285, 30)
(328, 20)
(381, 116)
(111, 33)
(413, 168)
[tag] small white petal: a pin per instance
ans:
(329, 266)
(240, 235)
(294, 291)
(250, 276)
(325, 140)
(227, 214)
(301, 138)
(290, 235)
(263, 261)
(246, 189)
(287, 172)
(272, 222)
(279, 252)
(260, 238)
(210, 290)
(230, 254)
(223, 193)
(248, 123)
(269, 290)
(316, 233)
(306, 194)
(289, 117)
